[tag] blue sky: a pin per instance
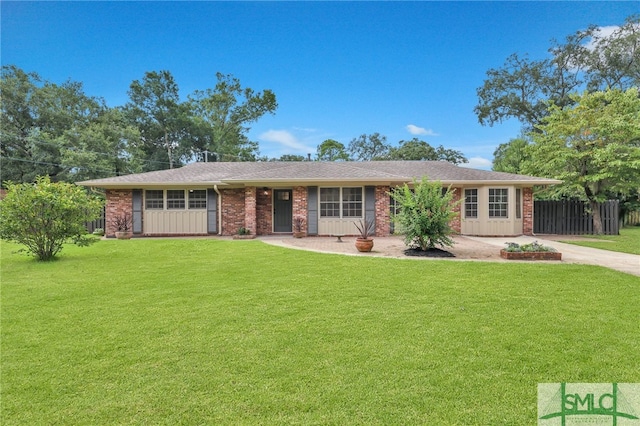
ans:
(338, 69)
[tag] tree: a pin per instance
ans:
(155, 109)
(510, 157)
(332, 150)
(38, 117)
(290, 157)
(593, 146)
(107, 146)
(226, 112)
(368, 148)
(424, 214)
(45, 215)
(523, 89)
(419, 150)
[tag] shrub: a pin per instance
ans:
(425, 214)
(44, 215)
(531, 247)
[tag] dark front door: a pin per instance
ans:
(282, 210)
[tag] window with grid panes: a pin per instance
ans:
(351, 202)
(471, 203)
(498, 202)
(329, 202)
(197, 199)
(154, 199)
(518, 203)
(175, 199)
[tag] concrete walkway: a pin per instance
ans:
(466, 248)
(629, 263)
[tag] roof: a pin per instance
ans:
(313, 173)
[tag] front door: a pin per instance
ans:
(282, 210)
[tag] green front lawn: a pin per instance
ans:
(627, 242)
(203, 331)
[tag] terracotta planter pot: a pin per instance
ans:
(124, 235)
(530, 255)
(299, 234)
(364, 244)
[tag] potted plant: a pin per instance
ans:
(122, 224)
(298, 227)
(531, 251)
(364, 242)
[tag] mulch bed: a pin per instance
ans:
(434, 252)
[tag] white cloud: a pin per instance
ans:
(415, 130)
(286, 139)
(478, 163)
(600, 33)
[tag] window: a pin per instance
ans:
(471, 203)
(329, 202)
(175, 199)
(351, 202)
(337, 201)
(518, 203)
(154, 199)
(197, 199)
(498, 202)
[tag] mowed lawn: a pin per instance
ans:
(203, 331)
(628, 241)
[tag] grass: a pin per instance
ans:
(627, 242)
(203, 331)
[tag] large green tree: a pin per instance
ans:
(45, 215)
(592, 145)
(369, 147)
(162, 120)
(510, 157)
(42, 124)
(589, 59)
(332, 150)
(419, 150)
(225, 113)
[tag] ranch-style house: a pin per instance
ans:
(265, 197)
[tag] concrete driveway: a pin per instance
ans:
(629, 263)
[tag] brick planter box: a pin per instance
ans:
(530, 255)
(244, 237)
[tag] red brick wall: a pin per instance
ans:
(300, 204)
(264, 207)
(527, 211)
(119, 202)
(455, 223)
(232, 210)
(383, 214)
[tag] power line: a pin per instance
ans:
(91, 152)
(45, 163)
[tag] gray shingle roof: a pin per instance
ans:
(309, 172)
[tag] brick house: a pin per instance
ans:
(264, 197)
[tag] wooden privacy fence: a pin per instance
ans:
(572, 217)
(631, 218)
(98, 223)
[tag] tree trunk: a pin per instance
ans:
(597, 219)
(166, 141)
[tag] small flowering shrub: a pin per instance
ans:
(528, 248)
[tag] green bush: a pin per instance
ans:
(531, 247)
(44, 215)
(425, 213)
